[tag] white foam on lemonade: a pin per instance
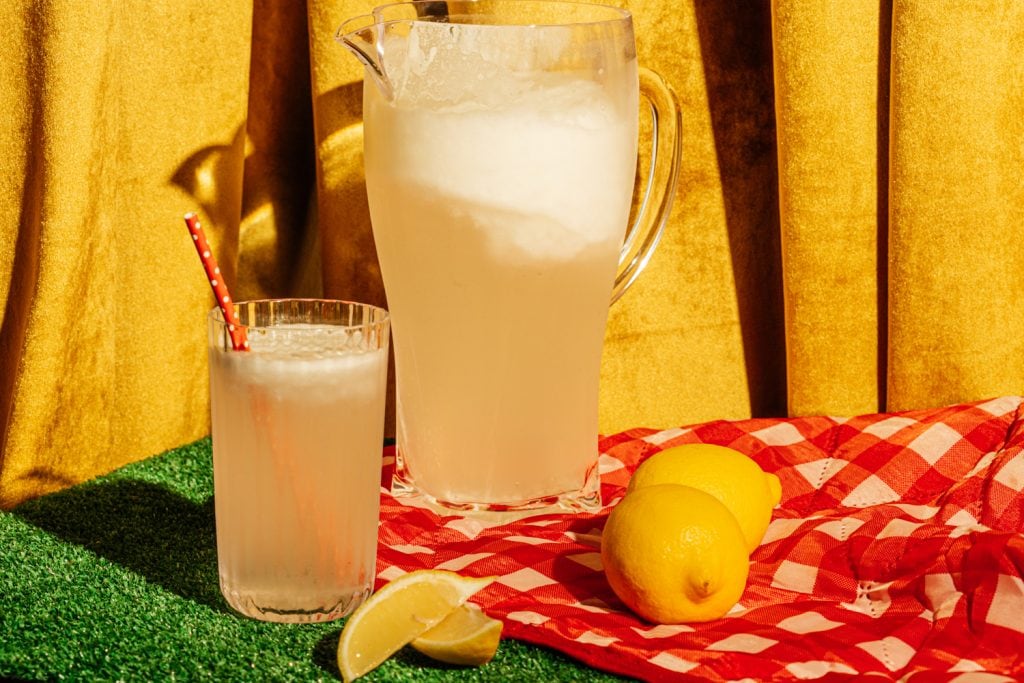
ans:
(550, 147)
(290, 355)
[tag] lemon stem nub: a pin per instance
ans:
(702, 586)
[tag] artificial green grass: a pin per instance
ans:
(116, 579)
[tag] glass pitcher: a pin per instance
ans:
(500, 141)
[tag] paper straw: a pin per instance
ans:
(220, 290)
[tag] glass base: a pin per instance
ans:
(585, 499)
(256, 608)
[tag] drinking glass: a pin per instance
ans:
(298, 423)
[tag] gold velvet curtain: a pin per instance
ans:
(846, 236)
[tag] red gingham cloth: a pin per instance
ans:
(897, 553)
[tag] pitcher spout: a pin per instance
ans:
(363, 36)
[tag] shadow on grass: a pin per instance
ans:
(325, 656)
(141, 526)
(325, 653)
(514, 660)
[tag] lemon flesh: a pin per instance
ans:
(728, 475)
(466, 637)
(674, 554)
(398, 613)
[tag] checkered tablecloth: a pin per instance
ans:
(897, 553)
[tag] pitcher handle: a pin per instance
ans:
(646, 231)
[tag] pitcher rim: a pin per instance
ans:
(621, 14)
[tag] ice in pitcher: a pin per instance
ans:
(499, 203)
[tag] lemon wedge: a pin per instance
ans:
(466, 637)
(397, 614)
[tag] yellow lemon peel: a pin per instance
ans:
(674, 554)
(466, 637)
(730, 476)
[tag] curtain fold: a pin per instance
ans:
(349, 255)
(845, 236)
(278, 250)
(956, 310)
(699, 335)
(120, 122)
(831, 100)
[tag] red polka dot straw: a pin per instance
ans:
(220, 289)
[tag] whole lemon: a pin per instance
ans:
(674, 554)
(728, 475)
